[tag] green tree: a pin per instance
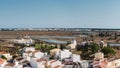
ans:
(94, 47)
(89, 49)
(108, 50)
(3, 57)
(62, 47)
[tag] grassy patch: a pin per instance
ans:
(44, 47)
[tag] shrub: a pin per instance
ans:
(108, 50)
(3, 57)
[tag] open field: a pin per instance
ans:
(13, 34)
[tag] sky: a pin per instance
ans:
(59, 13)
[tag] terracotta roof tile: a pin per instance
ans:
(11, 64)
(53, 61)
(3, 52)
(58, 66)
(42, 59)
(36, 51)
(28, 52)
(2, 61)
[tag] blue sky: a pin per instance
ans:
(60, 13)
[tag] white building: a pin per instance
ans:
(21, 61)
(26, 40)
(36, 54)
(84, 64)
(72, 45)
(2, 63)
(75, 61)
(68, 65)
(114, 63)
(25, 49)
(100, 61)
(54, 51)
(63, 54)
(54, 63)
(13, 65)
(38, 63)
(29, 52)
(75, 58)
(102, 44)
(99, 56)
